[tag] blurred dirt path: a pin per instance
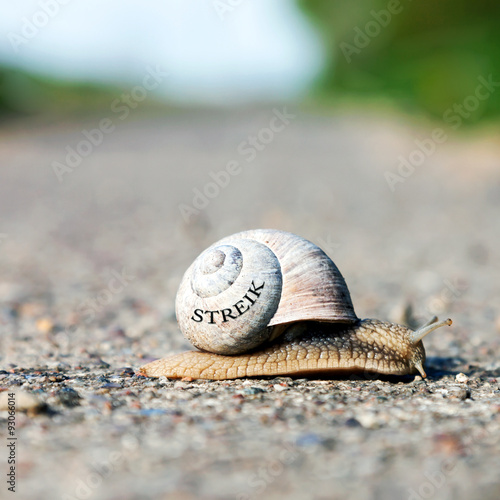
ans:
(91, 254)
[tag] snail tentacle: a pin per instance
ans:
(430, 322)
(429, 327)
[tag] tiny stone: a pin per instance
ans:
(462, 378)
(368, 420)
(309, 439)
(463, 394)
(69, 397)
(23, 401)
(253, 390)
(45, 325)
(352, 422)
(127, 372)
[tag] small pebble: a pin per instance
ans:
(309, 439)
(447, 443)
(463, 394)
(127, 372)
(111, 385)
(253, 390)
(45, 325)
(69, 397)
(352, 422)
(23, 401)
(462, 378)
(368, 420)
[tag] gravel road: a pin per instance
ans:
(92, 252)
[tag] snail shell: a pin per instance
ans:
(267, 303)
(235, 294)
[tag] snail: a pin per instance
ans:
(266, 303)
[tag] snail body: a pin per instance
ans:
(268, 303)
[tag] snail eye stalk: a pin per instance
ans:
(429, 327)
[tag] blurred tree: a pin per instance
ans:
(22, 93)
(426, 55)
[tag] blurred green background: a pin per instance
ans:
(422, 57)
(425, 56)
(23, 93)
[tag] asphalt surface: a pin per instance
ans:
(92, 252)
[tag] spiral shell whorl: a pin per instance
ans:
(228, 296)
(216, 270)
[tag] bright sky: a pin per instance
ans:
(214, 50)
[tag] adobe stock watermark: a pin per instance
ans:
(85, 486)
(121, 107)
(454, 116)
(436, 479)
(328, 245)
(406, 167)
(249, 150)
(117, 282)
(223, 7)
(363, 37)
(31, 26)
(271, 469)
(90, 307)
(451, 292)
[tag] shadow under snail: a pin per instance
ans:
(268, 303)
